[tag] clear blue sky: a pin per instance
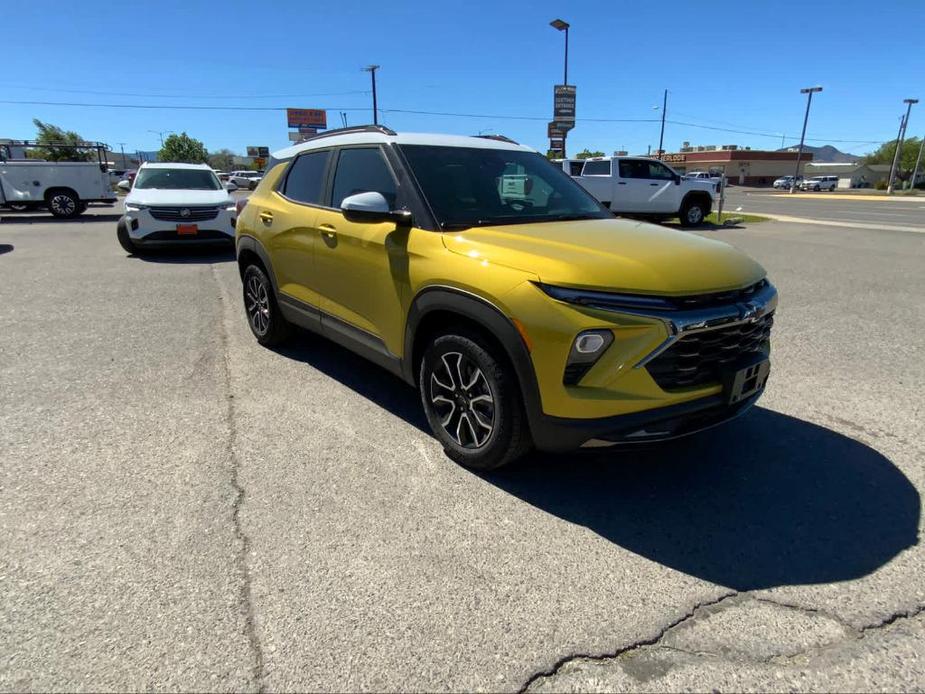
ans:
(726, 63)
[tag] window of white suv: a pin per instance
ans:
(177, 179)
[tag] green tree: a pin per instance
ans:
(222, 160)
(587, 153)
(884, 155)
(52, 134)
(183, 149)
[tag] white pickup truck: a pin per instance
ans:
(641, 187)
(64, 187)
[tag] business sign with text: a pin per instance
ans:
(563, 108)
(311, 117)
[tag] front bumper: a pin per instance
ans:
(145, 230)
(559, 434)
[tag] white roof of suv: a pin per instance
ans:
(170, 165)
(373, 135)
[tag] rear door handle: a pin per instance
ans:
(653, 184)
(621, 183)
(266, 217)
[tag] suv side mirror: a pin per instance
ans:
(124, 185)
(371, 208)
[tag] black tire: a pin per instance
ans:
(125, 240)
(63, 204)
(693, 212)
(263, 315)
(484, 394)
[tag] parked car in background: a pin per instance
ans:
(817, 183)
(130, 175)
(175, 204)
(648, 188)
(523, 312)
(116, 175)
(64, 187)
(784, 182)
(222, 175)
(245, 179)
(705, 176)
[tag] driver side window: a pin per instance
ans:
(659, 171)
(362, 170)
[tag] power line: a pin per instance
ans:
(196, 107)
(190, 96)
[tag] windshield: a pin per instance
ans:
(177, 179)
(470, 186)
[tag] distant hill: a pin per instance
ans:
(826, 154)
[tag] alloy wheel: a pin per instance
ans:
(63, 204)
(257, 303)
(462, 399)
(694, 215)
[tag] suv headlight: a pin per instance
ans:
(607, 301)
(134, 207)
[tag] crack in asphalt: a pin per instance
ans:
(553, 671)
(853, 633)
(240, 560)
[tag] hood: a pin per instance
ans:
(611, 254)
(156, 196)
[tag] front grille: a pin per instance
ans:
(201, 235)
(700, 358)
(175, 214)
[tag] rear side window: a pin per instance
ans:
(362, 170)
(306, 178)
(634, 168)
(596, 168)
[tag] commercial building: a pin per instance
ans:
(742, 165)
(850, 174)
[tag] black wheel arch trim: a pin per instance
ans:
(483, 312)
(249, 243)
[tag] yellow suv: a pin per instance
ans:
(523, 311)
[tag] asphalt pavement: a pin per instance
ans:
(899, 213)
(181, 508)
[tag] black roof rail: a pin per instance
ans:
(499, 138)
(381, 129)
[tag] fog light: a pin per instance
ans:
(589, 343)
(587, 348)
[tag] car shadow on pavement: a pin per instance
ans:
(190, 255)
(5, 248)
(51, 219)
(360, 375)
(767, 500)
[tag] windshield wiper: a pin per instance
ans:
(573, 217)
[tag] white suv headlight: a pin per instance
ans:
(134, 207)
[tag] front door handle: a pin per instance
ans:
(328, 230)
(621, 183)
(266, 217)
(653, 184)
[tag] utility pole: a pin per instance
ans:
(371, 69)
(918, 159)
(160, 134)
(809, 101)
(897, 155)
(122, 148)
(661, 136)
(343, 117)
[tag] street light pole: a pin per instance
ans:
(809, 100)
(371, 69)
(897, 155)
(661, 136)
(561, 25)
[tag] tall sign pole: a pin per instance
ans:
(564, 95)
(661, 137)
(809, 101)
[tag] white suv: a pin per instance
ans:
(818, 183)
(245, 179)
(176, 204)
